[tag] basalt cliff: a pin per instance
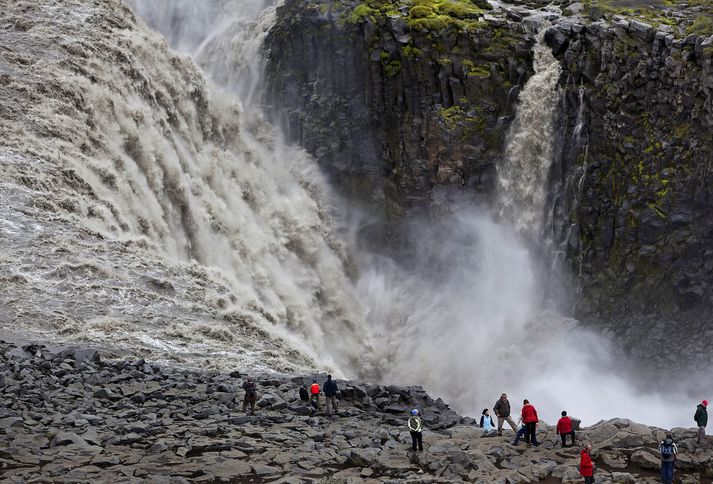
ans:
(407, 103)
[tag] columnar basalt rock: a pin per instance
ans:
(396, 112)
(635, 212)
(393, 107)
(65, 416)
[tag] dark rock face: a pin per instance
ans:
(395, 112)
(392, 109)
(635, 211)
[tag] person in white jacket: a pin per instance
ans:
(486, 423)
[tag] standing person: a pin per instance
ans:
(564, 428)
(250, 395)
(414, 427)
(486, 423)
(304, 394)
(330, 394)
(701, 418)
(668, 451)
(586, 465)
(529, 418)
(314, 392)
(502, 411)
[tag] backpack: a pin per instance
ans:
(666, 450)
(303, 394)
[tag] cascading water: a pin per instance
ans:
(229, 226)
(523, 174)
(466, 316)
(172, 220)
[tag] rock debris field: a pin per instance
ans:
(67, 415)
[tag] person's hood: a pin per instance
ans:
(584, 451)
(668, 441)
(700, 405)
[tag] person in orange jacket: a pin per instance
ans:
(529, 418)
(586, 465)
(314, 392)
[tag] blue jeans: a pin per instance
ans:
(667, 472)
(520, 433)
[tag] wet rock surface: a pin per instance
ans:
(430, 107)
(69, 416)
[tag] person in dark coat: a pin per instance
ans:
(250, 395)
(304, 394)
(502, 411)
(668, 451)
(586, 465)
(564, 428)
(330, 394)
(701, 418)
(529, 418)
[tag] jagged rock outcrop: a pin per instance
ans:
(394, 105)
(635, 208)
(71, 415)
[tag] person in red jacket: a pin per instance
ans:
(586, 466)
(529, 418)
(564, 428)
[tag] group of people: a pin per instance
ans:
(528, 425)
(312, 396)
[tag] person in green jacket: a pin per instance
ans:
(701, 418)
(414, 426)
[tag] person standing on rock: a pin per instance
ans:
(701, 418)
(314, 392)
(414, 427)
(564, 428)
(668, 451)
(330, 394)
(486, 423)
(502, 411)
(304, 394)
(529, 418)
(586, 465)
(250, 395)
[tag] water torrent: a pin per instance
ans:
(524, 172)
(166, 216)
(221, 232)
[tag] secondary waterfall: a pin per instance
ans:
(524, 172)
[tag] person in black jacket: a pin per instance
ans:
(304, 394)
(330, 393)
(502, 411)
(701, 418)
(250, 395)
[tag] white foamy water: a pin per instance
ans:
(143, 209)
(529, 151)
(158, 214)
(467, 316)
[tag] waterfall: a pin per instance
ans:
(524, 171)
(221, 234)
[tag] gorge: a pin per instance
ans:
(429, 193)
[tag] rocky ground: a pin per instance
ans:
(66, 415)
